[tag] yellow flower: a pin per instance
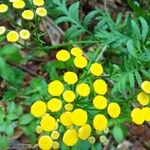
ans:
(146, 86)
(69, 107)
(38, 109)
(41, 11)
(146, 113)
(63, 55)
(66, 119)
(143, 98)
(100, 86)
(56, 145)
(39, 129)
(114, 110)
(48, 123)
(2, 30)
(45, 142)
(28, 15)
(55, 135)
(70, 137)
(83, 89)
(54, 105)
(91, 139)
(84, 132)
(19, 4)
(137, 116)
(38, 2)
(3, 8)
(70, 77)
(79, 117)
(55, 88)
(96, 69)
(100, 122)
(69, 96)
(80, 62)
(24, 34)
(12, 36)
(100, 102)
(76, 51)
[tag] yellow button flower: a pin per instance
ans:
(70, 137)
(79, 117)
(146, 86)
(55, 88)
(38, 109)
(19, 4)
(56, 145)
(28, 14)
(143, 98)
(69, 107)
(63, 55)
(137, 116)
(2, 30)
(96, 69)
(80, 62)
(38, 2)
(146, 113)
(70, 77)
(100, 122)
(83, 89)
(54, 105)
(76, 51)
(66, 118)
(41, 11)
(114, 110)
(100, 86)
(55, 135)
(84, 132)
(48, 123)
(24, 34)
(12, 36)
(100, 102)
(91, 139)
(69, 96)
(45, 142)
(39, 129)
(3, 8)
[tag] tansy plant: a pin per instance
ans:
(79, 108)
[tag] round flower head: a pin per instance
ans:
(55, 88)
(69, 107)
(137, 116)
(12, 36)
(100, 102)
(56, 145)
(66, 119)
(38, 109)
(70, 77)
(114, 110)
(91, 139)
(39, 129)
(79, 117)
(19, 4)
(143, 98)
(70, 137)
(55, 135)
(96, 69)
(48, 123)
(146, 113)
(54, 105)
(45, 142)
(41, 11)
(146, 86)
(83, 89)
(38, 2)
(28, 15)
(76, 52)
(24, 34)
(84, 132)
(63, 55)
(80, 62)
(69, 96)
(100, 122)
(100, 86)
(2, 30)
(3, 8)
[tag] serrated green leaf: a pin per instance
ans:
(26, 119)
(4, 143)
(11, 107)
(131, 48)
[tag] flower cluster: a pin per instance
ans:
(78, 108)
(139, 115)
